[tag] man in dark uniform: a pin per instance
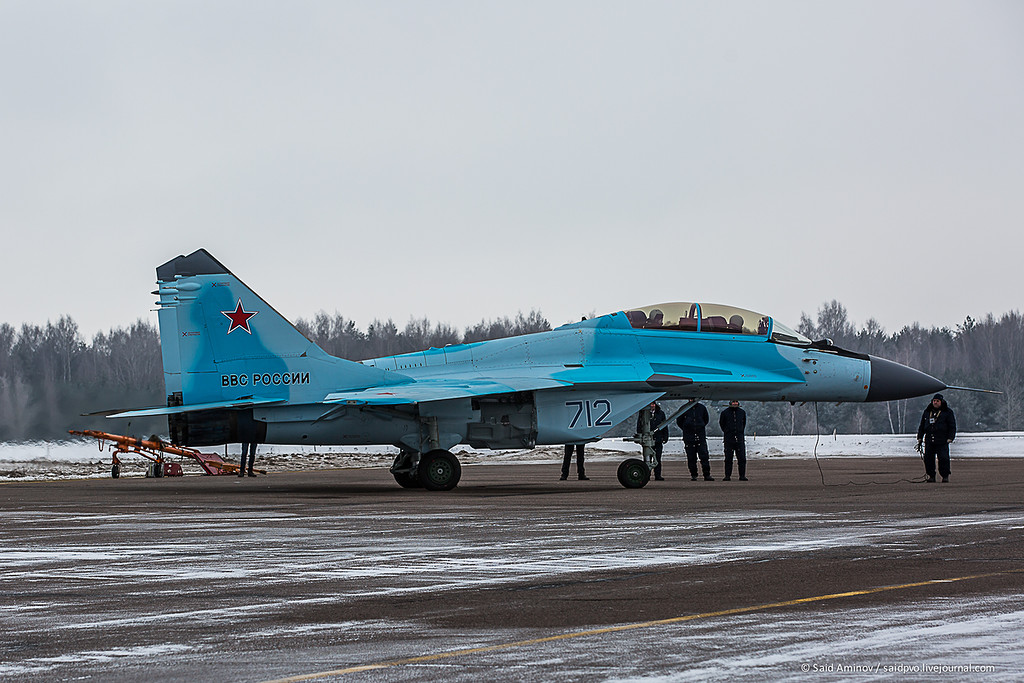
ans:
(567, 460)
(657, 416)
(695, 439)
(248, 450)
(937, 431)
(733, 422)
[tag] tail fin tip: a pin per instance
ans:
(199, 262)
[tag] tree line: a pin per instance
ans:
(49, 375)
(986, 353)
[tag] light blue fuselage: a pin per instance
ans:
(608, 368)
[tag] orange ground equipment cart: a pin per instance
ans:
(154, 450)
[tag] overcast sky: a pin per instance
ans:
(468, 160)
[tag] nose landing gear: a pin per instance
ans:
(634, 473)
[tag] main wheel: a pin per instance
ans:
(408, 480)
(439, 471)
(633, 473)
(115, 471)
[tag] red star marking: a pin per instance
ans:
(239, 318)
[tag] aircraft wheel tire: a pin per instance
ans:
(634, 474)
(115, 471)
(439, 471)
(408, 480)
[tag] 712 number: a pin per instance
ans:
(601, 407)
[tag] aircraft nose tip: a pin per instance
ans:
(891, 381)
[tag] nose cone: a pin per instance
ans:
(891, 381)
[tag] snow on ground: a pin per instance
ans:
(127, 587)
(85, 458)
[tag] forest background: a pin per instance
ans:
(50, 376)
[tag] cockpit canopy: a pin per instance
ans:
(716, 318)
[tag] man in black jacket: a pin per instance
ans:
(937, 431)
(733, 422)
(657, 416)
(695, 439)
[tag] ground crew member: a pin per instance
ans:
(733, 422)
(248, 450)
(937, 431)
(657, 416)
(695, 439)
(579, 462)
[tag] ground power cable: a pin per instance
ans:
(817, 438)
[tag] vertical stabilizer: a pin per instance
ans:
(222, 342)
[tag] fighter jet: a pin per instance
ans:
(235, 370)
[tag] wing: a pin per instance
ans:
(428, 390)
(237, 404)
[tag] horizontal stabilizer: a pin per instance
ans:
(441, 390)
(237, 404)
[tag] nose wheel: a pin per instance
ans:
(634, 473)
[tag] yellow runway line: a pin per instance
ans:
(629, 627)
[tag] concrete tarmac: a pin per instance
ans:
(514, 575)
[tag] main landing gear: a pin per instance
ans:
(436, 470)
